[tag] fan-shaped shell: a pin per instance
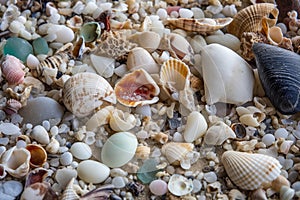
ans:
(84, 92)
(202, 26)
(249, 171)
(249, 18)
(279, 71)
(137, 88)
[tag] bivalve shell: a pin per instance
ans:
(218, 133)
(90, 31)
(180, 185)
(137, 88)
(12, 69)
(279, 76)
(92, 171)
(119, 149)
(84, 92)
(195, 128)
(148, 40)
(249, 171)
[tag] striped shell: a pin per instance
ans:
(279, 76)
(202, 26)
(249, 18)
(84, 92)
(249, 171)
(12, 69)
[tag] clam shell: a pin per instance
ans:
(84, 92)
(12, 69)
(279, 76)
(180, 185)
(249, 18)
(218, 133)
(137, 88)
(202, 26)
(249, 171)
(148, 40)
(38, 155)
(176, 152)
(195, 126)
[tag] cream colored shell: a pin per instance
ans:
(195, 128)
(176, 152)
(121, 121)
(218, 133)
(249, 171)
(84, 92)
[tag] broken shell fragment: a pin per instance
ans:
(12, 69)
(148, 40)
(90, 31)
(218, 133)
(84, 92)
(100, 118)
(177, 152)
(180, 185)
(38, 155)
(279, 76)
(137, 88)
(121, 121)
(195, 128)
(249, 171)
(103, 65)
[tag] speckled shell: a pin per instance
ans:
(84, 92)
(202, 26)
(249, 171)
(249, 18)
(279, 76)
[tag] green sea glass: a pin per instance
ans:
(18, 47)
(40, 46)
(147, 171)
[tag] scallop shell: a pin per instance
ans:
(38, 155)
(202, 26)
(12, 106)
(176, 152)
(12, 69)
(180, 185)
(249, 18)
(137, 88)
(279, 76)
(249, 171)
(84, 92)
(195, 128)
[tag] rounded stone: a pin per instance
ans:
(268, 139)
(12, 188)
(66, 159)
(40, 134)
(118, 182)
(158, 187)
(18, 47)
(40, 46)
(281, 133)
(210, 177)
(92, 171)
(81, 150)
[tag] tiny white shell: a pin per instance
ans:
(195, 127)
(180, 185)
(40, 134)
(218, 133)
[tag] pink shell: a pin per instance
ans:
(12, 69)
(12, 106)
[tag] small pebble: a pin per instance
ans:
(9, 129)
(197, 185)
(46, 125)
(4, 141)
(162, 13)
(40, 134)
(296, 186)
(158, 187)
(118, 182)
(54, 130)
(12, 188)
(268, 139)
(66, 158)
(185, 13)
(81, 150)
(281, 133)
(118, 172)
(210, 177)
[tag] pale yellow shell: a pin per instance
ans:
(175, 152)
(202, 26)
(84, 92)
(249, 18)
(249, 171)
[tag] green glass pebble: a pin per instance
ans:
(18, 47)
(147, 171)
(40, 46)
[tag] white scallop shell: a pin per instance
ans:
(180, 185)
(84, 92)
(195, 127)
(218, 133)
(249, 171)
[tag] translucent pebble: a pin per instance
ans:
(6, 196)
(46, 125)
(185, 13)
(16, 27)
(158, 187)
(198, 13)
(4, 141)
(147, 171)
(118, 172)
(118, 182)
(210, 177)
(18, 47)
(177, 137)
(281, 133)
(64, 175)
(81, 150)
(214, 9)
(54, 130)
(283, 28)
(40, 134)
(162, 13)
(229, 10)
(21, 144)
(268, 139)
(9, 129)
(174, 14)
(288, 164)
(40, 46)
(197, 185)
(12, 188)
(66, 158)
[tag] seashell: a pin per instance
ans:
(137, 88)
(228, 40)
(139, 58)
(2, 171)
(119, 149)
(249, 18)
(259, 194)
(103, 192)
(38, 155)
(81, 150)
(84, 92)
(279, 76)
(37, 175)
(228, 74)
(92, 171)
(40, 134)
(218, 133)
(176, 152)
(249, 171)
(70, 192)
(16, 161)
(53, 146)
(279, 182)
(79, 48)
(286, 193)
(148, 40)
(142, 152)
(195, 127)
(180, 185)
(202, 26)
(160, 137)
(100, 118)
(104, 66)
(75, 22)
(12, 69)
(64, 175)
(236, 194)
(239, 130)
(90, 31)
(12, 106)
(121, 121)
(39, 191)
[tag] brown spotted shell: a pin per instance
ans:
(249, 18)
(202, 26)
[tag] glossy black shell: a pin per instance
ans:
(279, 72)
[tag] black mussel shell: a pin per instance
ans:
(279, 72)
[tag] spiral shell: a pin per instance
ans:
(279, 76)
(249, 171)
(84, 92)
(249, 18)
(12, 69)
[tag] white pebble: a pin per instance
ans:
(54, 162)
(229, 10)
(40, 134)
(21, 144)
(268, 139)
(210, 177)
(283, 27)
(185, 13)
(25, 34)
(46, 125)
(281, 133)
(174, 14)
(197, 12)
(22, 19)
(66, 158)
(296, 186)
(81, 150)
(177, 137)
(16, 27)
(118, 172)
(162, 13)
(118, 182)
(197, 185)
(4, 141)
(214, 9)
(288, 164)
(63, 176)
(12, 188)
(9, 129)
(54, 130)
(90, 8)
(135, 16)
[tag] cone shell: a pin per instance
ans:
(249, 171)
(12, 69)
(137, 88)
(279, 76)
(175, 152)
(84, 92)
(249, 18)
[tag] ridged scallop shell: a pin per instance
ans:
(84, 92)
(137, 88)
(249, 171)
(249, 18)
(279, 76)
(12, 69)
(176, 152)
(202, 26)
